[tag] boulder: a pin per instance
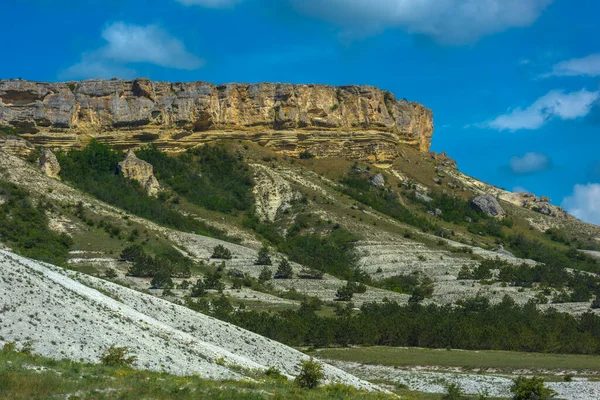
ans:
(488, 205)
(141, 171)
(49, 164)
(378, 180)
(423, 196)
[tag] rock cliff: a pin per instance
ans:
(353, 121)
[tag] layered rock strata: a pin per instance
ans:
(350, 121)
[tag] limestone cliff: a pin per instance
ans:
(354, 121)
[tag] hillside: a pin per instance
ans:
(241, 237)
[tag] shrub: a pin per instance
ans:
(117, 356)
(530, 389)
(162, 279)
(275, 373)
(221, 252)
(344, 293)
(311, 374)
(265, 275)
(264, 257)
(454, 392)
(284, 270)
(306, 155)
(199, 289)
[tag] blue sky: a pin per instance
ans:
(514, 84)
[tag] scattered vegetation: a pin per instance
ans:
(164, 265)
(208, 176)
(94, 170)
(25, 376)
(25, 227)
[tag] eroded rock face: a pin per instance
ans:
(272, 193)
(16, 146)
(141, 171)
(352, 121)
(488, 205)
(49, 164)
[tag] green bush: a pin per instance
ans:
(117, 356)
(221, 252)
(311, 374)
(454, 392)
(530, 389)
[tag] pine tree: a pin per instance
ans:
(264, 258)
(284, 270)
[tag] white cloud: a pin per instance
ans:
(555, 104)
(126, 44)
(448, 21)
(586, 66)
(530, 163)
(584, 203)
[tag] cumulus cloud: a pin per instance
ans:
(448, 21)
(555, 104)
(211, 3)
(584, 203)
(530, 163)
(586, 66)
(127, 44)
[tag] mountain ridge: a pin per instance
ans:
(361, 122)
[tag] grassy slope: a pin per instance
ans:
(405, 357)
(28, 376)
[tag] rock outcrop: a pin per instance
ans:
(49, 164)
(488, 205)
(141, 171)
(16, 146)
(351, 121)
(534, 203)
(377, 180)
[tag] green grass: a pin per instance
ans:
(34, 377)
(505, 360)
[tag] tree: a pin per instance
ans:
(264, 257)
(162, 279)
(265, 275)
(199, 289)
(221, 252)
(344, 293)
(530, 389)
(213, 281)
(132, 253)
(284, 270)
(311, 373)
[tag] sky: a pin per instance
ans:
(514, 84)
